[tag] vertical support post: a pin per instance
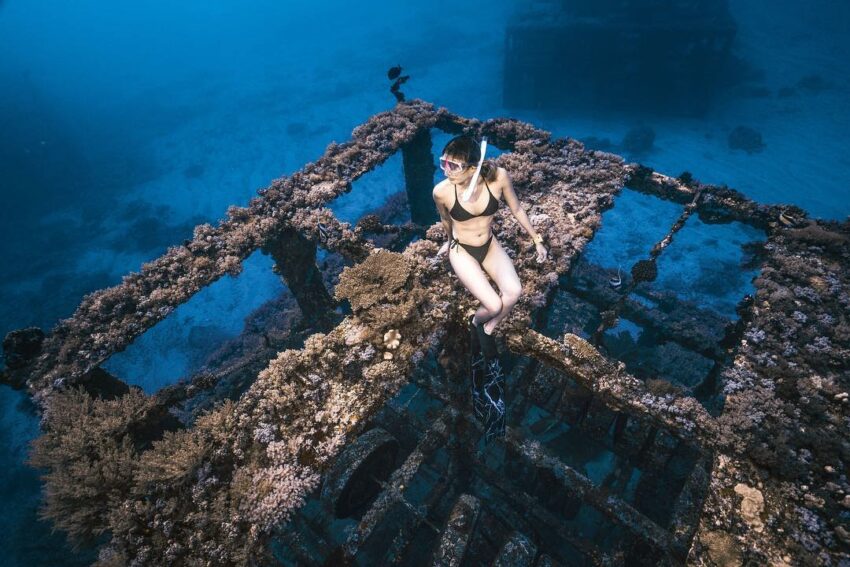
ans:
(295, 261)
(418, 164)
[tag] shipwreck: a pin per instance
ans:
(348, 439)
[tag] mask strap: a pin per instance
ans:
(468, 193)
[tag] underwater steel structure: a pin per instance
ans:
(360, 447)
(662, 54)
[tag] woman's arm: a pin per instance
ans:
(519, 214)
(444, 218)
(514, 204)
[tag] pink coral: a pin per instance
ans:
(277, 491)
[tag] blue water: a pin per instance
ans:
(126, 124)
(703, 263)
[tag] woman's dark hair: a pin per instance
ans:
(468, 150)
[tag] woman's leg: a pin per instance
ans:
(501, 268)
(482, 314)
(471, 275)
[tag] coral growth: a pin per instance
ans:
(90, 456)
(212, 495)
(377, 278)
(787, 412)
(644, 271)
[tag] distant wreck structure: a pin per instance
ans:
(350, 440)
(661, 55)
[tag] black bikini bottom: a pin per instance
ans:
(477, 252)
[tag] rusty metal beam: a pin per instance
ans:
(611, 506)
(518, 551)
(459, 529)
(295, 261)
(686, 512)
(108, 320)
(719, 204)
(653, 255)
(683, 416)
(523, 503)
(401, 477)
(591, 285)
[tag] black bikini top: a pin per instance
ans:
(460, 214)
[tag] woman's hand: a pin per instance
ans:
(542, 253)
(439, 255)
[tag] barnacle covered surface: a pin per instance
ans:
(785, 406)
(213, 493)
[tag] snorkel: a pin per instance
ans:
(468, 193)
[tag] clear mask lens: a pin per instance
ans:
(450, 166)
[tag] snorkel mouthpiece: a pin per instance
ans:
(468, 193)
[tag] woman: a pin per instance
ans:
(473, 250)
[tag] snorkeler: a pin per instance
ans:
(475, 253)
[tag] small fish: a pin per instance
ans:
(616, 281)
(787, 219)
(323, 231)
(394, 72)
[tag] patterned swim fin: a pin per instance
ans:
(494, 397)
(488, 383)
(476, 371)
